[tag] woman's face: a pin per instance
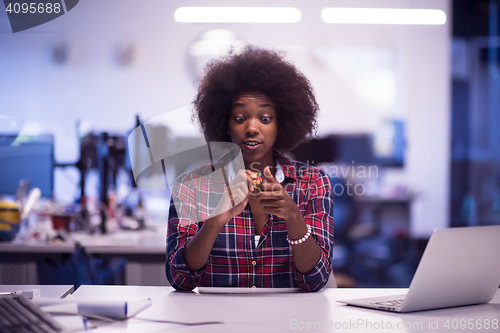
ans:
(253, 126)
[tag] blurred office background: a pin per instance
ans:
(408, 129)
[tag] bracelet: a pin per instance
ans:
(300, 240)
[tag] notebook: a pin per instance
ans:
(460, 266)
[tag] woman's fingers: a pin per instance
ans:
(249, 181)
(243, 186)
(276, 195)
(272, 210)
(239, 181)
(251, 174)
(271, 203)
(266, 187)
(239, 195)
(242, 177)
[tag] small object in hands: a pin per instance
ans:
(257, 179)
(300, 240)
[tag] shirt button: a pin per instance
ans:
(254, 262)
(254, 287)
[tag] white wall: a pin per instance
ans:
(92, 87)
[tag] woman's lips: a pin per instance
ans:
(253, 146)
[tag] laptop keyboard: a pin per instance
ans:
(17, 314)
(396, 303)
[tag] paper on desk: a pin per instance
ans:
(110, 309)
(66, 307)
(72, 323)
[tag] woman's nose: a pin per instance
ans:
(252, 127)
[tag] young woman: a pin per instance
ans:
(280, 232)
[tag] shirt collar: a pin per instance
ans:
(285, 165)
(280, 176)
(284, 168)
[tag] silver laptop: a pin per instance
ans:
(460, 266)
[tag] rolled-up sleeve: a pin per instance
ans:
(181, 228)
(319, 215)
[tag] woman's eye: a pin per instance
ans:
(239, 119)
(266, 120)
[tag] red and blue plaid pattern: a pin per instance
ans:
(235, 261)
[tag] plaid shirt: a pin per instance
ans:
(235, 261)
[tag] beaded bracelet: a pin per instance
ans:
(300, 240)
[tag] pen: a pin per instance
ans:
(8, 293)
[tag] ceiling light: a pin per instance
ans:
(383, 16)
(237, 14)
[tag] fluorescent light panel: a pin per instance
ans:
(237, 14)
(383, 16)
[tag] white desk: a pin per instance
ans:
(277, 312)
(59, 291)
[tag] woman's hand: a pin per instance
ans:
(234, 200)
(197, 250)
(275, 200)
